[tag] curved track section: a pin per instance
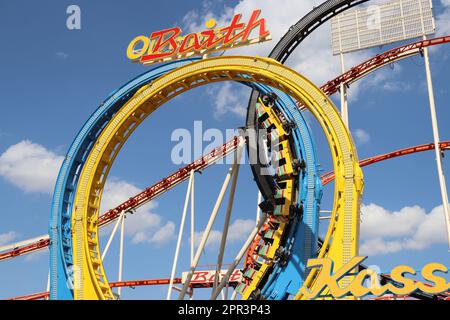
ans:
(330, 88)
(19, 249)
(93, 283)
(172, 180)
(62, 259)
(22, 248)
(282, 50)
(310, 22)
(381, 60)
(60, 231)
(355, 74)
(309, 225)
(349, 77)
(283, 215)
(298, 243)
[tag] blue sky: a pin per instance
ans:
(53, 78)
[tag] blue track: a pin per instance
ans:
(61, 262)
(302, 234)
(302, 237)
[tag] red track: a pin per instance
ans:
(132, 283)
(141, 198)
(183, 173)
(329, 176)
(135, 283)
(329, 88)
(379, 61)
(170, 181)
(38, 245)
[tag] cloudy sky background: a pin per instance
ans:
(54, 78)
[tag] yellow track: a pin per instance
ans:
(341, 241)
(281, 212)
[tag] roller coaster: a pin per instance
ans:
(274, 258)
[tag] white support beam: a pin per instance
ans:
(113, 233)
(24, 243)
(48, 285)
(208, 228)
(344, 99)
(239, 256)
(437, 149)
(226, 225)
(180, 236)
(258, 209)
(122, 232)
(192, 220)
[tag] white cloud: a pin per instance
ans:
(313, 59)
(410, 228)
(33, 168)
(62, 55)
(239, 230)
(229, 99)
(37, 255)
(361, 136)
(397, 86)
(142, 226)
(443, 19)
(213, 240)
(7, 238)
(30, 166)
(165, 234)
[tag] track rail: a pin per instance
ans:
(60, 229)
(380, 61)
(165, 281)
(329, 88)
(327, 12)
(93, 284)
(134, 202)
(18, 249)
(281, 52)
(170, 181)
(326, 178)
(128, 283)
(444, 145)
(355, 74)
(307, 24)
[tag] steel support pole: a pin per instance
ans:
(258, 209)
(48, 286)
(344, 100)
(111, 237)
(122, 232)
(239, 256)
(437, 148)
(192, 220)
(180, 236)
(207, 231)
(237, 159)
